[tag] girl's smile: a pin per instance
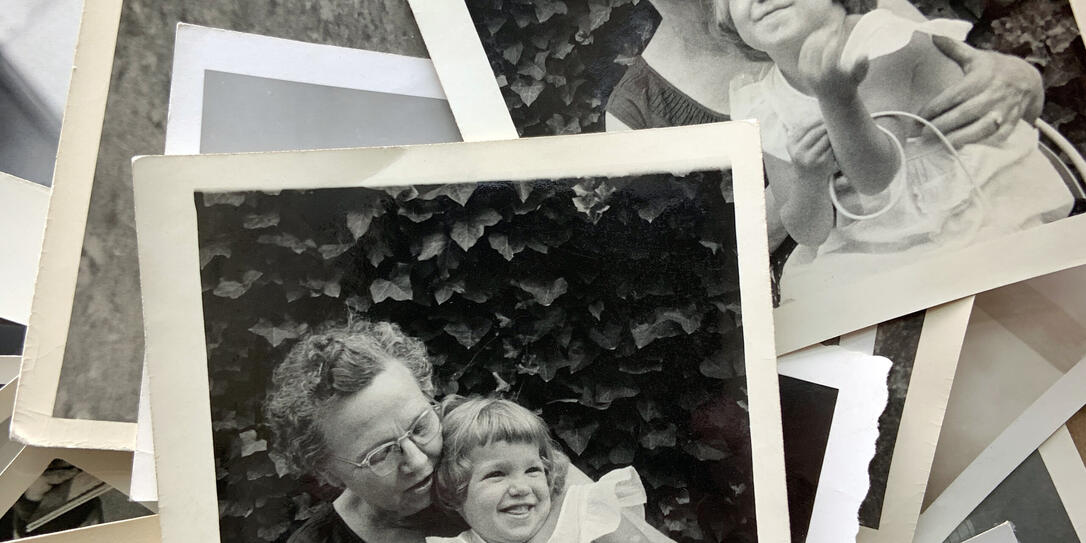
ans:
(769, 25)
(508, 497)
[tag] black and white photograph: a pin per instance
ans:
(604, 311)
(242, 92)
(1032, 501)
(64, 497)
(37, 43)
(902, 140)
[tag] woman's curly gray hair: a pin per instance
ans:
(328, 365)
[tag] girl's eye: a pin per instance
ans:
(535, 469)
(492, 474)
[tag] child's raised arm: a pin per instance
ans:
(866, 154)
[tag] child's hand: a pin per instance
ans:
(811, 152)
(820, 65)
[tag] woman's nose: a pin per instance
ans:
(414, 459)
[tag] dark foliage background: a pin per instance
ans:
(611, 310)
(557, 60)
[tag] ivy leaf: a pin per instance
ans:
(666, 322)
(470, 332)
(234, 289)
(544, 292)
(704, 452)
(457, 192)
(608, 392)
(332, 250)
(250, 444)
(376, 250)
(358, 222)
(273, 531)
(545, 9)
(446, 290)
(398, 287)
(720, 365)
(505, 246)
(287, 241)
(575, 435)
(596, 309)
(656, 207)
(649, 410)
(547, 361)
(513, 52)
(210, 251)
(254, 221)
(432, 245)
(502, 385)
(224, 198)
(358, 303)
(658, 435)
(622, 454)
(524, 190)
(467, 233)
(527, 89)
(277, 334)
(608, 338)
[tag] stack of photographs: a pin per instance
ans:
(544, 270)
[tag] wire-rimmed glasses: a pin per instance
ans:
(386, 457)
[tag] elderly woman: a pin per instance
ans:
(353, 405)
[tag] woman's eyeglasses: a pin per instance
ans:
(385, 458)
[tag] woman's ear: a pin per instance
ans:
(328, 476)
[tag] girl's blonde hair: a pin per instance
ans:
(473, 422)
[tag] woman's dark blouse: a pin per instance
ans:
(644, 99)
(325, 526)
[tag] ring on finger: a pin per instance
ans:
(997, 118)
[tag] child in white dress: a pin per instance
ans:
(503, 473)
(900, 194)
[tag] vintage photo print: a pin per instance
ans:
(241, 92)
(607, 298)
(37, 42)
(960, 175)
(84, 348)
(885, 387)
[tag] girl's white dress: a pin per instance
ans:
(593, 510)
(1010, 185)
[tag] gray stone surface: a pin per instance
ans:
(101, 371)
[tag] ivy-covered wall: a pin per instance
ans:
(610, 306)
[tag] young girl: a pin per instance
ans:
(899, 194)
(502, 472)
